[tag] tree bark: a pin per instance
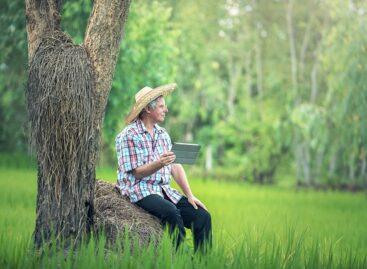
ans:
(248, 73)
(65, 196)
(364, 168)
(292, 49)
(42, 16)
(314, 87)
(102, 42)
(209, 158)
(304, 47)
(298, 148)
(259, 66)
(234, 74)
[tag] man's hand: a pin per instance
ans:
(152, 167)
(167, 158)
(196, 202)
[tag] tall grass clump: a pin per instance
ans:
(251, 251)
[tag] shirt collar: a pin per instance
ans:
(141, 128)
(158, 128)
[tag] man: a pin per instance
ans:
(145, 164)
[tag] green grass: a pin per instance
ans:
(253, 226)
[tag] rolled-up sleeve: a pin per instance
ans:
(167, 141)
(130, 154)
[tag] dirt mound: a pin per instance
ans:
(114, 213)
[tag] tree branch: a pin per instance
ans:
(41, 16)
(102, 42)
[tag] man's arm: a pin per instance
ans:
(179, 176)
(150, 168)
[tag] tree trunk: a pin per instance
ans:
(67, 92)
(292, 49)
(259, 67)
(234, 74)
(209, 158)
(364, 168)
(314, 88)
(248, 73)
(298, 149)
(332, 164)
(304, 47)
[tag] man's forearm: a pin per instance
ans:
(179, 176)
(147, 169)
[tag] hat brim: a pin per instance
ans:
(145, 100)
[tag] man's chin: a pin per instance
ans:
(160, 120)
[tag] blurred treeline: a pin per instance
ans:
(268, 88)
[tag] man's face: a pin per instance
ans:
(158, 114)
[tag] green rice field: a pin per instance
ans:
(253, 227)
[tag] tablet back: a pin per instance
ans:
(185, 153)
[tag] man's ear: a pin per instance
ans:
(146, 109)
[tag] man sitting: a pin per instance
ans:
(145, 164)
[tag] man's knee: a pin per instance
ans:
(203, 220)
(173, 219)
(172, 215)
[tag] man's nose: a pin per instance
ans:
(166, 109)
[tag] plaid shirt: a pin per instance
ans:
(136, 147)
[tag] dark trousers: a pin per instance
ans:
(179, 216)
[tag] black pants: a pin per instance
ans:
(178, 216)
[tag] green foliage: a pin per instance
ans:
(250, 148)
(145, 60)
(346, 98)
(75, 16)
(236, 95)
(16, 160)
(334, 130)
(13, 46)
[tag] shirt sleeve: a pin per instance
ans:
(169, 147)
(130, 154)
(167, 140)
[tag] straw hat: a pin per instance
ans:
(145, 96)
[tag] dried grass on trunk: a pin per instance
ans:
(60, 104)
(115, 213)
(61, 108)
